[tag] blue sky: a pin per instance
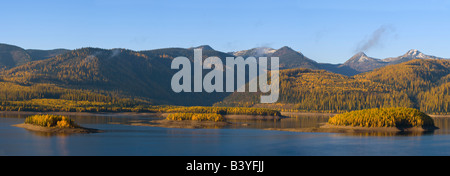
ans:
(324, 30)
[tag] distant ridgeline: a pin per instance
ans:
(94, 79)
(421, 84)
(116, 75)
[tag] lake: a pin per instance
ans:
(244, 138)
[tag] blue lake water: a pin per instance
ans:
(120, 138)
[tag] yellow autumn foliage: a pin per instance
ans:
(196, 117)
(383, 117)
(51, 121)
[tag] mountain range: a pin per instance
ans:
(12, 56)
(144, 74)
(363, 63)
(358, 63)
(420, 83)
(110, 75)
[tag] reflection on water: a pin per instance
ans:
(13, 115)
(389, 134)
(316, 120)
(92, 118)
(48, 134)
(241, 138)
(443, 123)
(292, 121)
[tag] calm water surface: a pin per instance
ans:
(242, 138)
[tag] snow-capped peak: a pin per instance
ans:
(415, 53)
(360, 57)
(361, 54)
(256, 52)
(410, 55)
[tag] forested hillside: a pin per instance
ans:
(123, 73)
(94, 79)
(12, 56)
(421, 84)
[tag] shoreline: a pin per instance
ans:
(82, 113)
(327, 128)
(56, 130)
(308, 113)
(186, 124)
(440, 116)
(164, 114)
(333, 114)
(238, 116)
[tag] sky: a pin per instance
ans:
(326, 31)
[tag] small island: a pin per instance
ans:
(207, 117)
(396, 119)
(53, 124)
(188, 120)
